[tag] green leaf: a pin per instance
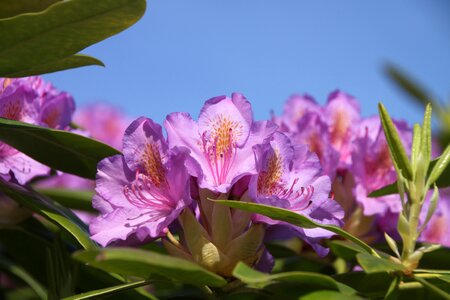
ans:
(260, 280)
(74, 199)
(17, 271)
(393, 291)
(109, 291)
(141, 263)
(320, 295)
(398, 153)
(392, 244)
(440, 167)
(74, 61)
(61, 150)
(65, 28)
(431, 287)
(345, 249)
(426, 135)
(416, 145)
(11, 8)
(293, 218)
(372, 264)
(431, 209)
(57, 214)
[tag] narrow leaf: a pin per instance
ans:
(440, 166)
(417, 139)
(392, 244)
(101, 293)
(431, 208)
(293, 218)
(393, 291)
(433, 288)
(74, 199)
(53, 212)
(71, 62)
(141, 263)
(426, 135)
(320, 295)
(61, 150)
(398, 153)
(64, 29)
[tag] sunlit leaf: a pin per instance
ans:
(61, 150)
(11, 8)
(372, 264)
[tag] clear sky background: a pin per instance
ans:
(183, 52)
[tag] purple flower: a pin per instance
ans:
(437, 231)
(142, 192)
(291, 177)
(221, 142)
(294, 110)
(373, 168)
(103, 122)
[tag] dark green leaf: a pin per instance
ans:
(293, 218)
(141, 263)
(433, 288)
(256, 278)
(17, 271)
(53, 212)
(61, 150)
(372, 264)
(74, 199)
(64, 29)
(74, 61)
(106, 292)
(11, 8)
(398, 153)
(393, 291)
(345, 249)
(320, 295)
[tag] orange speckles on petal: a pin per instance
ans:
(6, 82)
(225, 133)
(153, 164)
(268, 181)
(12, 110)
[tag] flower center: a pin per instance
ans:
(219, 146)
(339, 128)
(153, 164)
(12, 110)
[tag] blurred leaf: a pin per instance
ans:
(260, 280)
(17, 271)
(141, 263)
(373, 286)
(74, 199)
(433, 288)
(393, 291)
(372, 264)
(398, 153)
(61, 272)
(293, 218)
(70, 62)
(407, 84)
(65, 28)
(345, 249)
(11, 8)
(320, 295)
(53, 212)
(106, 292)
(61, 150)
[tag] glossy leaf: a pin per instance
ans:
(64, 29)
(293, 218)
(256, 278)
(440, 167)
(61, 150)
(74, 61)
(11, 8)
(106, 292)
(372, 264)
(398, 153)
(141, 263)
(57, 214)
(74, 199)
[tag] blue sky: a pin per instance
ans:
(183, 52)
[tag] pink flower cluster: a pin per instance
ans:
(354, 153)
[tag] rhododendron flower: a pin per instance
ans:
(221, 142)
(32, 101)
(373, 168)
(294, 110)
(142, 192)
(291, 177)
(438, 229)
